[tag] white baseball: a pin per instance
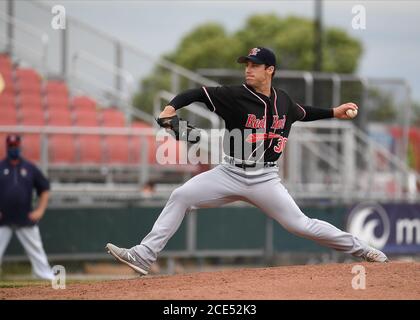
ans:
(351, 113)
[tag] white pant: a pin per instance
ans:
(30, 238)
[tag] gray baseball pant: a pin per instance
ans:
(262, 188)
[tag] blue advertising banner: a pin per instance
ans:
(390, 227)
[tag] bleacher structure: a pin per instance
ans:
(76, 115)
(30, 102)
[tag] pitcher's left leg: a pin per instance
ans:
(273, 198)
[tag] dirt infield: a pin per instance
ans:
(396, 280)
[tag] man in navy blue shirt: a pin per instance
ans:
(18, 179)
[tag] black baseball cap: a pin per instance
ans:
(259, 55)
(13, 140)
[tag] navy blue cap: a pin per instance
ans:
(259, 55)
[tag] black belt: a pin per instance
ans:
(245, 165)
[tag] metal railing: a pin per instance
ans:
(77, 80)
(215, 120)
(306, 94)
(116, 69)
(341, 164)
(142, 134)
(120, 49)
(28, 52)
(120, 98)
(113, 71)
(83, 56)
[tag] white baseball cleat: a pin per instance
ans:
(374, 255)
(127, 256)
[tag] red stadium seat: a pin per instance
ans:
(140, 124)
(28, 81)
(59, 88)
(83, 103)
(7, 76)
(138, 147)
(86, 119)
(62, 149)
(31, 100)
(31, 146)
(90, 149)
(6, 72)
(136, 144)
(29, 86)
(31, 107)
(113, 118)
(175, 147)
(60, 117)
(9, 86)
(32, 117)
(7, 99)
(27, 74)
(5, 62)
(8, 115)
(56, 101)
(117, 149)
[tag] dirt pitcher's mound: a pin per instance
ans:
(334, 281)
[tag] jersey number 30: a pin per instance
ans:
(281, 144)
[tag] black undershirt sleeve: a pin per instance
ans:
(187, 97)
(316, 113)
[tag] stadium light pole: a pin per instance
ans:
(10, 30)
(318, 36)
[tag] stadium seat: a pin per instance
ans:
(5, 62)
(83, 103)
(7, 76)
(57, 101)
(60, 117)
(175, 146)
(32, 116)
(7, 99)
(31, 146)
(29, 86)
(8, 115)
(135, 156)
(117, 149)
(56, 88)
(138, 147)
(113, 118)
(30, 100)
(62, 149)
(10, 87)
(140, 124)
(90, 149)
(86, 119)
(28, 81)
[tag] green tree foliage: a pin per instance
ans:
(416, 114)
(210, 46)
(381, 107)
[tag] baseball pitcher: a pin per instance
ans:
(264, 116)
